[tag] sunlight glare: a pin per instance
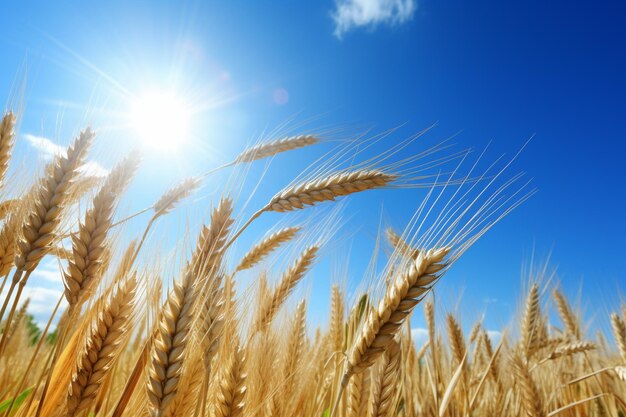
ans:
(161, 120)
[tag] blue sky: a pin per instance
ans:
(497, 72)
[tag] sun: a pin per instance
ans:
(161, 120)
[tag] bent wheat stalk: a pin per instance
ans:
(321, 190)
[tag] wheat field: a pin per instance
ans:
(207, 343)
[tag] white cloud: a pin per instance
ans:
(495, 336)
(42, 301)
(419, 336)
(350, 14)
(48, 149)
(48, 270)
(45, 146)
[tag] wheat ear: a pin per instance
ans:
(320, 190)
(211, 243)
(231, 389)
(44, 214)
(384, 321)
(169, 345)
(268, 149)
(401, 297)
(287, 283)
(328, 189)
(494, 369)
(384, 387)
(164, 205)
(570, 349)
(104, 339)
(7, 206)
(265, 247)
(531, 399)
(619, 331)
(205, 263)
(401, 245)
(7, 136)
(530, 322)
(337, 319)
(90, 243)
(567, 315)
(358, 400)
(175, 195)
(8, 244)
(456, 339)
(294, 352)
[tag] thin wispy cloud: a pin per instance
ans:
(45, 146)
(495, 336)
(419, 336)
(42, 301)
(352, 14)
(49, 271)
(48, 150)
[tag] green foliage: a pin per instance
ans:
(34, 333)
(51, 338)
(18, 401)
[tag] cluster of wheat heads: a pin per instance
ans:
(207, 345)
